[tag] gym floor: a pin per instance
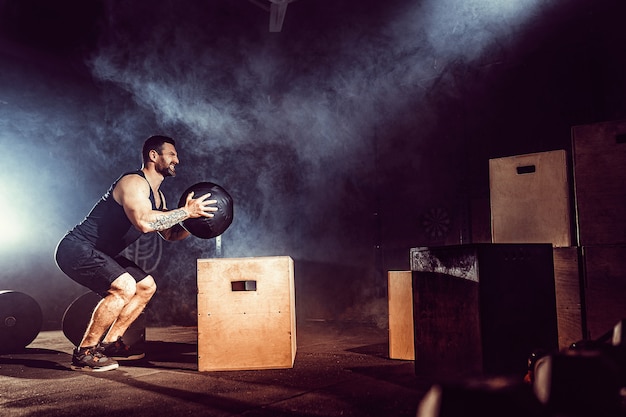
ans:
(340, 370)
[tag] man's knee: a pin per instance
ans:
(123, 287)
(146, 287)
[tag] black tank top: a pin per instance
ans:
(107, 227)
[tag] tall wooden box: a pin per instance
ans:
(482, 307)
(246, 313)
(605, 287)
(568, 281)
(599, 161)
(530, 199)
(400, 300)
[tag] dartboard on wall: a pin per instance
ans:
(436, 223)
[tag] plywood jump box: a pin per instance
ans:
(246, 313)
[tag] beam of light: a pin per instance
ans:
(323, 94)
(467, 28)
(402, 61)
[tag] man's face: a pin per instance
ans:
(167, 160)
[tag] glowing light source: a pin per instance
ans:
(12, 219)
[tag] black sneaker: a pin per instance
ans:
(91, 359)
(120, 351)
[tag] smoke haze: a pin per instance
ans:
(333, 136)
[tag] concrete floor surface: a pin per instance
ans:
(339, 370)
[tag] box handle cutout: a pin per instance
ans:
(620, 138)
(528, 169)
(249, 285)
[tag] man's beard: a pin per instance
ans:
(166, 171)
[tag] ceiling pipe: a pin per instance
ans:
(277, 10)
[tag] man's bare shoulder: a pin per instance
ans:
(131, 184)
(133, 180)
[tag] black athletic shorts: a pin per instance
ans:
(92, 268)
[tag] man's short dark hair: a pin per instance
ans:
(154, 142)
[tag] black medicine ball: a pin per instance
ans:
(209, 227)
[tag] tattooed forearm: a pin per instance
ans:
(167, 220)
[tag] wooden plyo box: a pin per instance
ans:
(599, 154)
(567, 283)
(530, 199)
(400, 299)
(605, 287)
(246, 313)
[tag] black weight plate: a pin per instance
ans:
(20, 320)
